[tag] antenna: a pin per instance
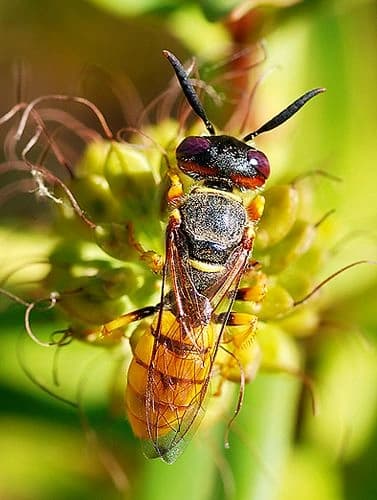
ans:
(188, 90)
(284, 115)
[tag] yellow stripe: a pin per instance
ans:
(203, 189)
(206, 267)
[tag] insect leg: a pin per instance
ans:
(240, 358)
(111, 328)
(175, 192)
(256, 288)
(152, 259)
(239, 339)
(255, 208)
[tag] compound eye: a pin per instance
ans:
(192, 146)
(259, 162)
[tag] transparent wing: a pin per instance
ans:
(185, 344)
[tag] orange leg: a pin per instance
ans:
(116, 327)
(175, 193)
(255, 208)
(241, 353)
(239, 334)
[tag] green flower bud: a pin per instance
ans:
(83, 307)
(93, 159)
(133, 184)
(278, 217)
(95, 198)
(279, 350)
(112, 284)
(295, 244)
(131, 181)
(73, 262)
(302, 322)
(297, 281)
(114, 239)
(276, 302)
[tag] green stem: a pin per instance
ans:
(260, 444)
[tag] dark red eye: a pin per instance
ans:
(259, 162)
(192, 146)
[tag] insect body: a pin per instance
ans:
(209, 240)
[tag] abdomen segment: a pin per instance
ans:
(168, 379)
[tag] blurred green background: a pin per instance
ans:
(279, 450)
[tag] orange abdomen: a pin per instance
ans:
(167, 377)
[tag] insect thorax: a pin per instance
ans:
(213, 223)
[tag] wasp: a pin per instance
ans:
(209, 241)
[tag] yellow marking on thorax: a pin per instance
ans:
(206, 267)
(227, 194)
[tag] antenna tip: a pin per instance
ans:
(169, 55)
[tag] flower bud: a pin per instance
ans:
(278, 217)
